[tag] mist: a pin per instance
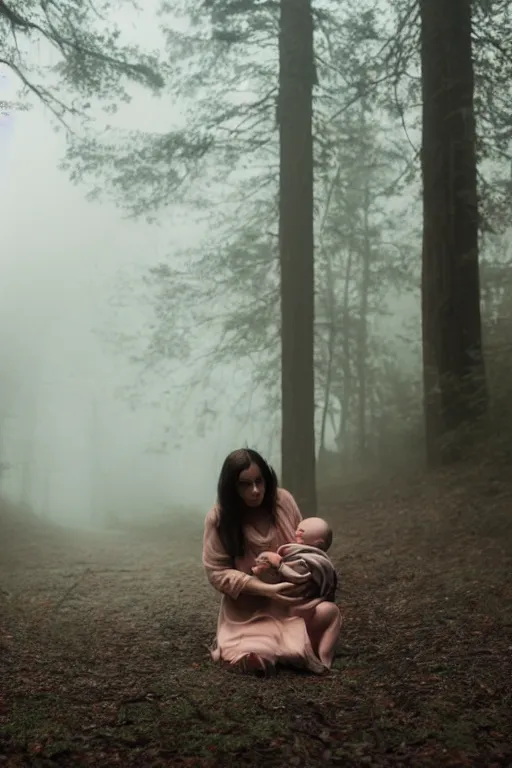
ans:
(72, 283)
(87, 432)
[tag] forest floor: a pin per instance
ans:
(104, 661)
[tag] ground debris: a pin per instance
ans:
(104, 661)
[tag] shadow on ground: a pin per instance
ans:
(104, 661)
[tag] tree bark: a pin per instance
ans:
(296, 242)
(455, 393)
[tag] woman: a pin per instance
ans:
(261, 624)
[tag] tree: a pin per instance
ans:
(296, 248)
(226, 68)
(454, 375)
(242, 261)
(366, 248)
(92, 61)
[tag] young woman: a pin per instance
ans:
(261, 624)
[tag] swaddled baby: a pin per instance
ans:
(304, 561)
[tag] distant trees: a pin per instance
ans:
(230, 151)
(365, 260)
(375, 68)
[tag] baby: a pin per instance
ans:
(305, 561)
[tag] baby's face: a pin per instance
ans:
(304, 536)
(312, 532)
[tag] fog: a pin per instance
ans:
(86, 432)
(71, 281)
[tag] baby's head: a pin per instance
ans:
(314, 532)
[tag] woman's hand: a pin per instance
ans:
(283, 592)
(301, 590)
(291, 594)
(291, 590)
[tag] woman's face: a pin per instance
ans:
(251, 486)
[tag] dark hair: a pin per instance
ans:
(231, 506)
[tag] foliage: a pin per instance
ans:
(492, 60)
(222, 63)
(81, 53)
(226, 71)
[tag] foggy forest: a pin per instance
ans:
(282, 225)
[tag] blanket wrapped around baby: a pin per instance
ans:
(309, 564)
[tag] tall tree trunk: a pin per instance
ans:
(296, 241)
(454, 376)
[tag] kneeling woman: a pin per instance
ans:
(261, 624)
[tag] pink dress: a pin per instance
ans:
(251, 624)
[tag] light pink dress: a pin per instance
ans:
(251, 624)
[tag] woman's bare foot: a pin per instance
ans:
(252, 663)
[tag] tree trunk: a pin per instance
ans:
(454, 377)
(296, 242)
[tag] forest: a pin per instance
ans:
(349, 168)
(362, 187)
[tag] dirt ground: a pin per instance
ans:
(104, 660)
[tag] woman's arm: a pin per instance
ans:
(217, 563)
(228, 580)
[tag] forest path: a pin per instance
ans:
(104, 661)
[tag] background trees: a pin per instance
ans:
(372, 65)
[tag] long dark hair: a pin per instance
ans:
(231, 506)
